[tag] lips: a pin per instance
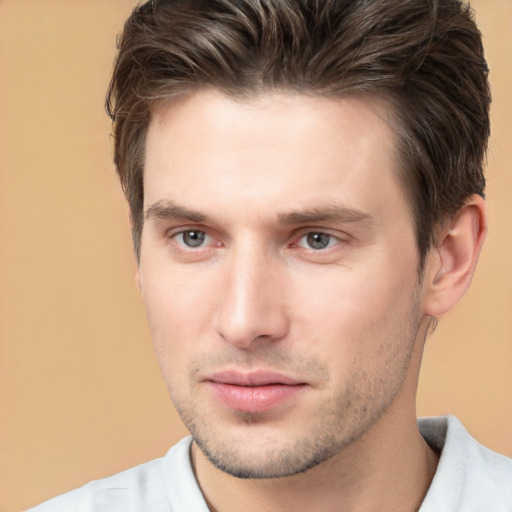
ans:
(254, 392)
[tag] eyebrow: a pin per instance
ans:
(330, 213)
(167, 210)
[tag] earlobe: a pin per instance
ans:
(452, 263)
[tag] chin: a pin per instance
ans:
(270, 456)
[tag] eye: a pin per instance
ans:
(317, 241)
(191, 238)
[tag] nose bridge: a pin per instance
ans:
(251, 304)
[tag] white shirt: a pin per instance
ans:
(469, 478)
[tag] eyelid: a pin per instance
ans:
(182, 228)
(203, 240)
(333, 240)
(175, 232)
(214, 240)
(326, 255)
(334, 233)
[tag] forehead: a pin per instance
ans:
(273, 148)
(297, 112)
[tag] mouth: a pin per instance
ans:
(254, 392)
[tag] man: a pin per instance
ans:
(305, 185)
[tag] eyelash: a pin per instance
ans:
(183, 245)
(326, 238)
(332, 240)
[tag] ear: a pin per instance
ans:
(452, 262)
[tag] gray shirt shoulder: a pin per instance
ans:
(469, 476)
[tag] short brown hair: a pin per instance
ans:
(424, 56)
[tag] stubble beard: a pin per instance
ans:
(282, 458)
(333, 425)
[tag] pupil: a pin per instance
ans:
(318, 240)
(193, 238)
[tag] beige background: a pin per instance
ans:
(80, 392)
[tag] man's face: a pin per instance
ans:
(279, 272)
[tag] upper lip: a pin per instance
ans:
(253, 378)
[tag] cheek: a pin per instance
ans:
(176, 308)
(352, 315)
(353, 298)
(172, 293)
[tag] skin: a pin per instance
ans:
(277, 238)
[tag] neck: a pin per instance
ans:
(366, 477)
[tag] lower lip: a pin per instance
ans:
(254, 399)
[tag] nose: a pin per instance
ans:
(252, 301)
